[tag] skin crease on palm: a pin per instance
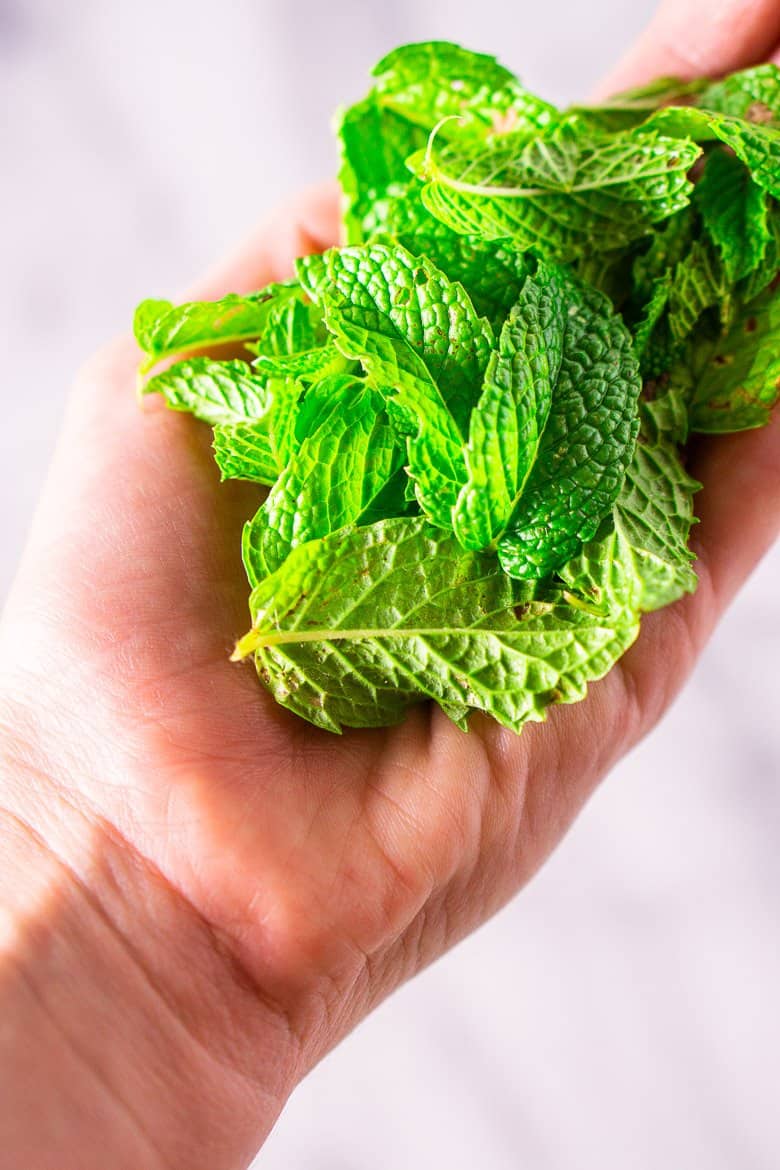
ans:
(325, 870)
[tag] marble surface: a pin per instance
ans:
(623, 1011)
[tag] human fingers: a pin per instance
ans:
(694, 38)
(309, 222)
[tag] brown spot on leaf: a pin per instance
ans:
(760, 113)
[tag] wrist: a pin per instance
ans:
(130, 1035)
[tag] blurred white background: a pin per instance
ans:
(623, 1012)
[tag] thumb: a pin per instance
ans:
(698, 38)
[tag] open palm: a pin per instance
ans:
(333, 866)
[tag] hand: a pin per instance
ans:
(242, 886)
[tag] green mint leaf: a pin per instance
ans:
(734, 381)
(670, 243)
(244, 451)
(641, 560)
(348, 452)
(163, 330)
(260, 450)
(434, 80)
(652, 278)
(586, 446)
(292, 326)
(766, 273)
(655, 512)
(698, 283)
(354, 628)
(562, 194)
(508, 421)
(631, 107)
(645, 330)
(402, 318)
(734, 210)
(216, 392)
(752, 94)
(757, 145)
(420, 341)
(309, 365)
(375, 144)
(492, 273)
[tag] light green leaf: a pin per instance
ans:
(260, 450)
(420, 342)
(293, 326)
(563, 194)
(632, 106)
(734, 381)
(216, 392)
(587, 444)
(670, 243)
(356, 627)
(375, 144)
(164, 330)
(752, 94)
(308, 365)
(244, 451)
(398, 315)
(757, 145)
(433, 80)
(641, 558)
(492, 273)
(347, 454)
(507, 423)
(609, 272)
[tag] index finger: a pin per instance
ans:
(309, 222)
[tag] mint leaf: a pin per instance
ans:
(244, 451)
(587, 444)
(433, 80)
(733, 381)
(308, 365)
(609, 272)
(355, 627)
(734, 210)
(216, 392)
(645, 328)
(562, 194)
(631, 107)
(293, 325)
(259, 450)
(763, 276)
(698, 283)
(508, 421)
(163, 330)
(348, 451)
(757, 145)
(375, 144)
(641, 559)
(752, 94)
(401, 317)
(420, 342)
(492, 273)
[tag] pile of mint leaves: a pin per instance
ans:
(472, 416)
